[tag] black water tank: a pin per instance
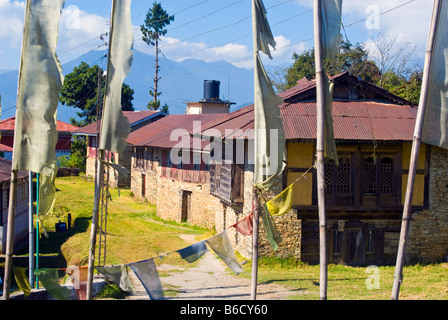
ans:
(211, 90)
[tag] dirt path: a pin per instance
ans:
(211, 280)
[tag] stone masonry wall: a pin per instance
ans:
(428, 231)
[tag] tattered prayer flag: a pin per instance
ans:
(22, 280)
(115, 126)
(245, 226)
(331, 11)
(50, 280)
(221, 245)
(193, 252)
(435, 127)
(118, 275)
(330, 151)
(282, 203)
(148, 275)
(270, 229)
(263, 35)
(40, 81)
(270, 153)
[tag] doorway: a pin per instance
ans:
(143, 185)
(186, 206)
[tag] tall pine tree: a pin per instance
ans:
(152, 29)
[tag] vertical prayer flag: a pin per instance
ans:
(115, 126)
(193, 252)
(435, 125)
(148, 275)
(270, 152)
(118, 275)
(270, 229)
(40, 80)
(330, 19)
(263, 37)
(331, 11)
(281, 203)
(221, 245)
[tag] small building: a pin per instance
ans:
(171, 170)
(22, 216)
(63, 146)
(211, 103)
(137, 119)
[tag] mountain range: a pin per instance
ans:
(180, 82)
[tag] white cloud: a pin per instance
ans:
(79, 32)
(11, 17)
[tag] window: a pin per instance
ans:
(168, 161)
(139, 158)
(337, 236)
(179, 160)
(370, 243)
(363, 180)
(378, 176)
(197, 161)
(369, 175)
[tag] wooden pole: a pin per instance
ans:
(31, 261)
(414, 154)
(96, 205)
(320, 104)
(10, 235)
(255, 233)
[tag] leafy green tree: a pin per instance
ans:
(80, 90)
(351, 58)
(355, 60)
(153, 28)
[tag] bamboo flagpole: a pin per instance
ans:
(10, 235)
(12, 198)
(407, 212)
(114, 126)
(99, 179)
(255, 233)
(320, 104)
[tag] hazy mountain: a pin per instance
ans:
(181, 82)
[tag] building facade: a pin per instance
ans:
(364, 192)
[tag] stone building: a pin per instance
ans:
(137, 119)
(364, 193)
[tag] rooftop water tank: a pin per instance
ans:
(211, 90)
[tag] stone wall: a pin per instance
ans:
(428, 232)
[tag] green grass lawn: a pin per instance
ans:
(134, 233)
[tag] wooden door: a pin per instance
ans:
(186, 206)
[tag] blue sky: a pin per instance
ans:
(215, 30)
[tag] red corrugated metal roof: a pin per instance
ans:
(9, 124)
(5, 148)
(159, 133)
(352, 120)
(133, 117)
